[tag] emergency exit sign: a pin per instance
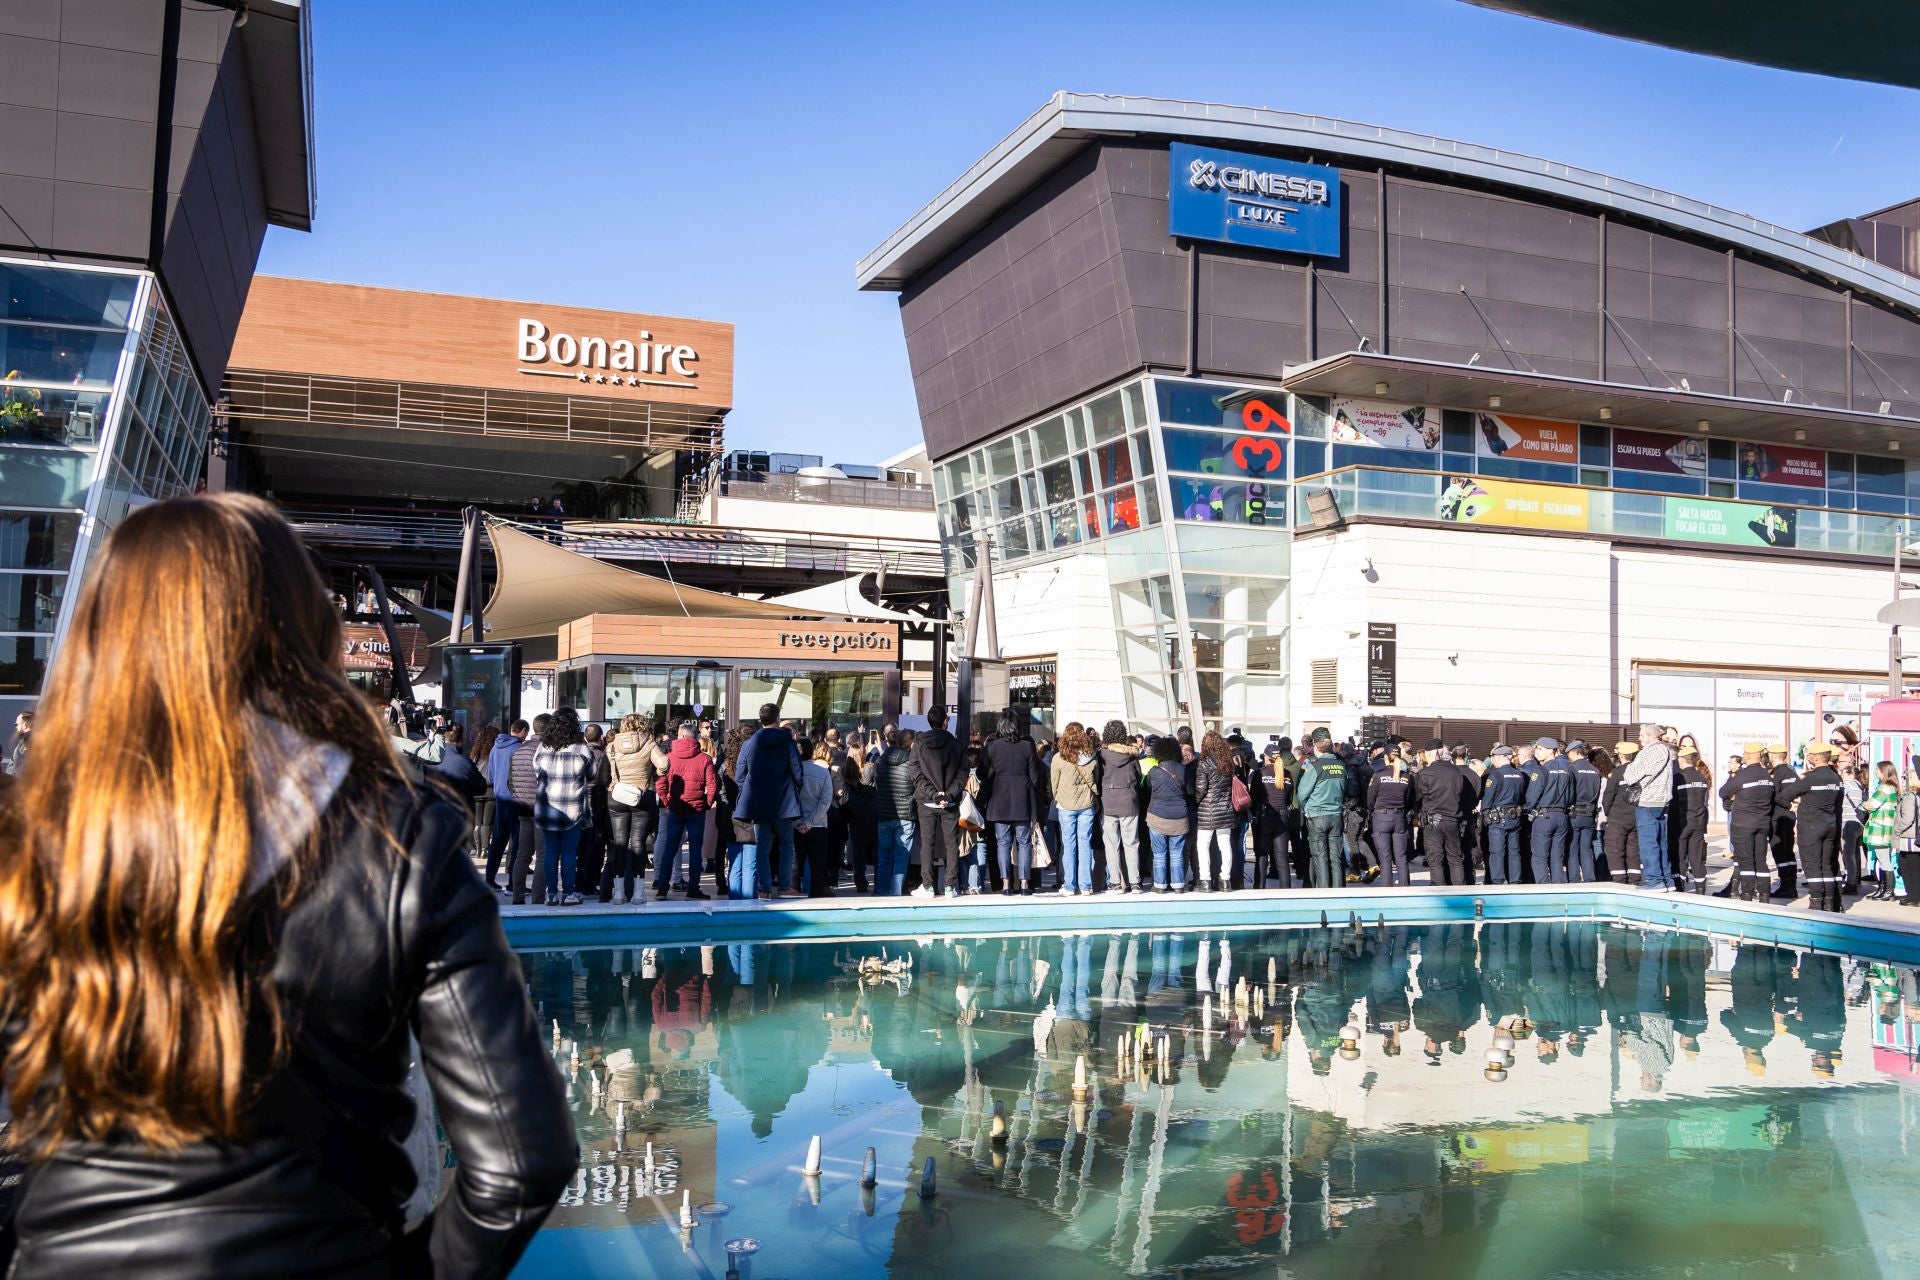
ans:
(1383, 664)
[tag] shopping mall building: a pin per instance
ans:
(1276, 421)
(144, 150)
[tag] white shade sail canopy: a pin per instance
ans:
(841, 598)
(539, 587)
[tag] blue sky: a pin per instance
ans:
(733, 160)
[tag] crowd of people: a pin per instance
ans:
(778, 809)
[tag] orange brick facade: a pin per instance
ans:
(356, 331)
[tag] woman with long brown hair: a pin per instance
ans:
(226, 933)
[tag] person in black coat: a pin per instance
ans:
(1012, 791)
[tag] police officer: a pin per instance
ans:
(1389, 794)
(1501, 806)
(1819, 794)
(1582, 813)
(1531, 767)
(1549, 796)
(1690, 792)
(1437, 789)
(1471, 785)
(1749, 797)
(1621, 834)
(1360, 860)
(1780, 761)
(1272, 816)
(1320, 797)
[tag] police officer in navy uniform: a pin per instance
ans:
(1471, 786)
(1819, 794)
(1749, 796)
(1389, 797)
(1531, 767)
(1436, 795)
(1501, 805)
(1582, 813)
(1549, 796)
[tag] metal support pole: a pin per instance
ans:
(1896, 676)
(463, 578)
(477, 598)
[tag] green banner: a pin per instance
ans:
(1740, 524)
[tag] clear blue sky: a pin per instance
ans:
(733, 160)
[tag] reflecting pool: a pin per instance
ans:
(1305, 1102)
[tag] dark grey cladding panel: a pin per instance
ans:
(1678, 300)
(132, 25)
(1242, 285)
(1681, 351)
(1258, 348)
(1671, 256)
(26, 210)
(1882, 332)
(104, 150)
(30, 134)
(108, 222)
(29, 71)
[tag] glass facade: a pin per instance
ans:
(1183, 488)
(100, 410)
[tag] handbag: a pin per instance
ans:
(1242, 798)
(626, 793)
(970, 817)
(1042, 855)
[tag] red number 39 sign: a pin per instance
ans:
(1259, 453)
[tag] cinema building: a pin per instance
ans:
(1276, 421)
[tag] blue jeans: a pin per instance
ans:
(666, 852)
(1650, 824)
(1169, 854)
(561, 846)
(1008, 836)
(891, 855)
(775, 840)
(1076, 844)
(743, 870)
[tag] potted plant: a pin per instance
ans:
(19, 407)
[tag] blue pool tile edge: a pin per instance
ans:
(828, 919)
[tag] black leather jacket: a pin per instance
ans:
(383, 940)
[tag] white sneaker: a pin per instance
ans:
(1070, 893)
(619, 896)
(921, 892)
(951, 892)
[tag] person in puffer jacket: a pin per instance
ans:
(686, 791)
(893, 785)
(1168, 807)
(1116, 764)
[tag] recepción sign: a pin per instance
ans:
(1253, 200)
(1736, 524)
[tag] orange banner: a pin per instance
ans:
(1533, 439)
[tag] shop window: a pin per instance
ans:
(1195, 404)
(843, 700)
(1309, 458)
(1056, 482)
(1114, 463)
(1596, 447)
(1050, 440)
(69, 357)
(1310, 417)
(1002, 464)
(1120, 510)
(44, 477)
(570, 690)
(1083, 464)
(1224, 455)
(1149, 504)
(1456, 430)
(1090, 517)
(61, 296)
(23, 665)
(1063, 526)
(1839, 471)
(1227, 502)
(1722, 464)
(1886, 477)
(1106, 418)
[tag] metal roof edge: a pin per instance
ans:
(1091, 115)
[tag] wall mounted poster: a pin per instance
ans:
(1784, 464)
(1501, 435)
(1734, 524)
(1387, 426)
(1650, 451)
(1483, 500)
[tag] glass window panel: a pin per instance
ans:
(1144, 602)
(1867, 502)
(1076, 430)
(1009, 498)
(1050, 438)
(72, 357)
(1754, 492)
(1596, 446)
(1135, 396)
(44, 477)
(1721, 489)
(51, 415)
(1886, 476)
(1143, 454)
(64, 296)
(1014, 544)
(37, 540)
(1839, 471)
(1721, 461)
(1063, 526)
(1106, 418)
(1309, 458)
(1360, 455)
(1599, 479)
(1120, 510)
(1462, 462)
(1225, 502)
(1211, 454)
(30, 601)
(1149, 504)
(1056, 482)
(1665, 484)
(23, 664)
(1090, 517)
(1200, 404)
(1114, 463)
(1456, 430)
(843, 700)
(1222, 598)
(1001, 462)
(1519, 469)
(1310, 417)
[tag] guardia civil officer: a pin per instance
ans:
(1779, 761)
(1389, 795)
(1620, 835)
(1549, 796)
(1583, 813)
(1501, 806)
(1749, 797)
(1437, 789)
(1690, 798)
(1320, 797)
(1819, 794)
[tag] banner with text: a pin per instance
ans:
(1480, 500)
(1735, 524)
(1501, 435)
(1660, 454)
(1784, 464)
(1387, 426)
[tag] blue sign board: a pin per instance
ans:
(1253, 200)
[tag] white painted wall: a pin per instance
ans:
(831, 521)
(1517, 626)
(1064, 609)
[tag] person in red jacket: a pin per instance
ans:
(687, 787)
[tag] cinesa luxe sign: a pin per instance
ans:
(1253, 200)
(638, 361)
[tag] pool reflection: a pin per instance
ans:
(1513, 1098)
